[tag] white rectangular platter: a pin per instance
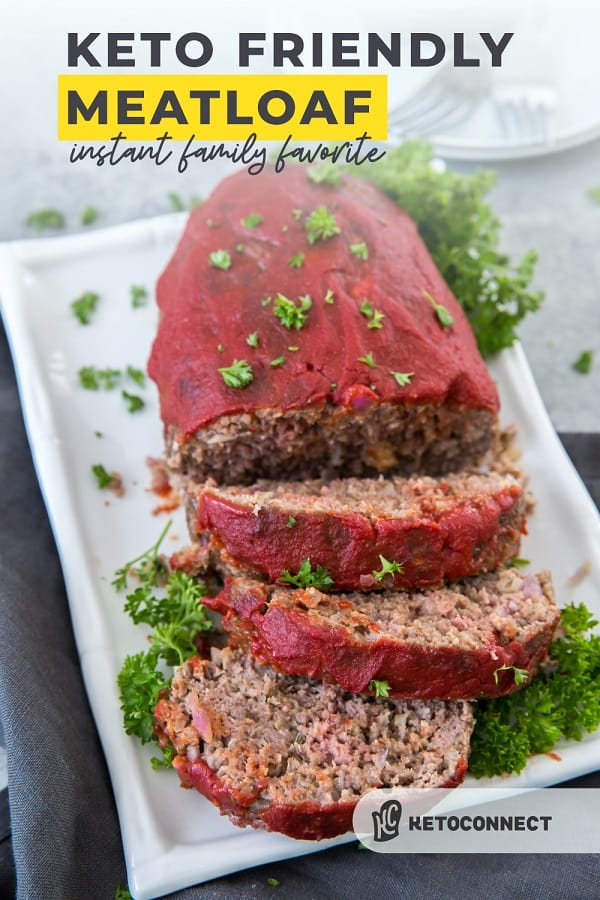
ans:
(173, 838)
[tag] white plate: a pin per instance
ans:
(549, 49)
(173, 838)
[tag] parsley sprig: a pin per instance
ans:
(306, 576)
(84, 307)
(320, 225)
(381, 688)
(238, 375)
(462, 234)
(562, 701)
(388, 567)
(290, 315)
(176, 616)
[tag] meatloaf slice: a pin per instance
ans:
(301, 335)
(295, 755)
(459, 641)
(436, 529)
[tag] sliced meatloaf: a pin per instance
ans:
(295, 755)
(459, 641)
(306, 332)
(434, 529)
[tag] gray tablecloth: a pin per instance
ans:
(65, 835)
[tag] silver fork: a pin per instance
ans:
(525, 111)
(445, 100)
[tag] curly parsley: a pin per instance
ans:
(387, 568)
(297, 261)
(324, 173)
(320, 225)
(220, 259)
(562, 701)
(176, 616)
(463, 235)
(402, 378)
(360, 250)
(445, 318)
(85, 306)
(381, 688)
(306, 576)
(290, 315)
(583, 363)
(45, 219)
(238, 375)
(253, 220)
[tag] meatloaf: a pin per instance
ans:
(295, 755)
(435, 529)
(459, 641)
(306, 332)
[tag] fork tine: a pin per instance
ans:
(433, 117)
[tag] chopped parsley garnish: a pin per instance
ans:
(93, 379)
(274, 882)
(266, 301)
(562, 701)
(252, 340)
(368, 360)
(381, 688)
(517, 562)
(239, 248)
(463, 235)
(45, 219)
(444, 317)
(360, 250)
(402, 378)
(138, 295)
(324, 173)
(89, 214)
(253, 220)
(134, 403)
(329, 297)
(176, 202)
(320, 225)
(136, 375)
(375, 316)
(297, 214)
(98, 434)
(297, 261)
(122, 893)
(291, 522)
(85, 306)
(293, 349)
(594, 194)
(290, 315)
(220, 259)
(103, 478)
(583, 363)
(387, 568)
(238, 375)
(318, 577)
(520, 675)
(279, 361)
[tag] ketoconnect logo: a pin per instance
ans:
(386, 821)
(479, 820)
